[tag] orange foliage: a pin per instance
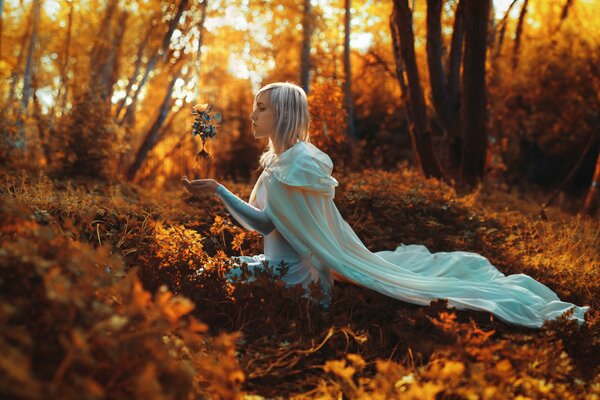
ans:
(122, 291)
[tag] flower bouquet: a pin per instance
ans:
(204, 126)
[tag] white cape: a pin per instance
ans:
(300, 192)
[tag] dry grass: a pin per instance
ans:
(261, 337)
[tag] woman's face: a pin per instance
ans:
(263, 117)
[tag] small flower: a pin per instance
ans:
(200, 107)
(204, 127)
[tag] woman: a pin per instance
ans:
(292, 206)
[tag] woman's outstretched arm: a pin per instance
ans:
(247, 215)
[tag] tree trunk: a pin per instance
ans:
(136, 69)
(160, 54)
(101, 58)
(348, 74)
(447, 115)
(397, 56)
(112, 74)
(454, 143)
(154, 169)
(474, 92)
(502, 25)
(43, 129)
(1, 26)
(29, 70)
(14, 76)
(419, 132)
(152, 135)
(307, 31)
(199, 48)
(61, 95)
(592, 199)
(563, 15)
(565, 10)
(399, 67)
(29, 60)
(515, 54)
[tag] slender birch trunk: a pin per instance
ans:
(159, 55)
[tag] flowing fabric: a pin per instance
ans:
(276, 249)
(299, 192)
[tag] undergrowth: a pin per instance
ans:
(113, 290)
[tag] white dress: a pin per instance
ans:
(292, 206)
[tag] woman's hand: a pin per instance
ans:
(200, 185)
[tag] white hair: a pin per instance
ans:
(291, 118)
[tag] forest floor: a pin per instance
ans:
(114, 290)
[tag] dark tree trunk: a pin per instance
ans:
(518, 33)
(152, 136)
(397, 55)
(474, 91)
(565, 11)
(563, 15)
(348, 74)
(399, 67)
(446, 113)
(307, 31)
(183, 138)
(454, 142)
(437, 80)
(420, 134)
(502, 25)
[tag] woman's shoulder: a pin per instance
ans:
(309, 152)
(304, 165)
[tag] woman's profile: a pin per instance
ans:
(292, 206)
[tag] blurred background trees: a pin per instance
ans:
(104, 89)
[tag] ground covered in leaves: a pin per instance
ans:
(112, 290)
